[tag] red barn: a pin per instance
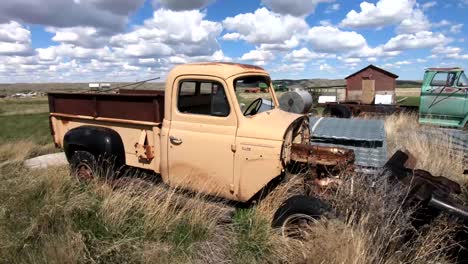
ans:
(364, 84)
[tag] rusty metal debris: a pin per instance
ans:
(327, 156)
(424, 188)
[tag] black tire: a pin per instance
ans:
(339, 111)
(83, 163)
(299, 204)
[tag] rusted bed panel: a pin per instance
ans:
(137, 106)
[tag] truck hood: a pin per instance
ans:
(270, 125)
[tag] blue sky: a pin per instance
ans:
(129, 40)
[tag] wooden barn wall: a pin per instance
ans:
(382, 82)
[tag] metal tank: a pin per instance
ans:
(298, 102)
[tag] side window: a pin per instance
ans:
(443, 79)
(187, 88)
(203, 98)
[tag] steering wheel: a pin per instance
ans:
(253, 107)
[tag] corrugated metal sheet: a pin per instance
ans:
(354, 129)
(365, 137)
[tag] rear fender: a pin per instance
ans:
(99, 141)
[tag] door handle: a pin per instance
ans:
(175, 141)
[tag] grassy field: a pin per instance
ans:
(47, 216)
(408, 100)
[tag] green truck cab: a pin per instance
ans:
(444, 98)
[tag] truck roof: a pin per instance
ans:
(445, 69)
(223, 70)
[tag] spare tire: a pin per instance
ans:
(339, 111)
(297, 209)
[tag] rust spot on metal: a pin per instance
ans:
(319, 155)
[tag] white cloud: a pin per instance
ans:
(415, 23)
(88, 37)
(69, 51)
(294, 7)
(231, 36)
(111, 15)
(258, 55)
(332, 8)
(383, 13)
(446, 50)
(331, 39)
(264, 26)
(404, 62)
(305, 55)
(428, 5)
(166, 34)
(442, 23)
(325, 22)
(14, 39)
(284, 46)
(351, 60)
(423, 39)
(456, 28)
(325, 67)
(293, 67)
(178, 5)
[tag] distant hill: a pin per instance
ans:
(303, 83)
(408, 84)
(7, 88)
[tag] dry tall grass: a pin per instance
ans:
(46, 216)
(434, 154)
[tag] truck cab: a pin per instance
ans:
(219, 136)
(444, 97)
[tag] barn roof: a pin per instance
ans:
(375, 68)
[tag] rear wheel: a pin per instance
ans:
(83, 165)
(297, 214)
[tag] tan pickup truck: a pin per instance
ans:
(207, 133)
(203, 133)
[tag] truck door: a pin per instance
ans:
(202, 136)
(441, 98)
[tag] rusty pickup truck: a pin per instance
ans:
(204, 133)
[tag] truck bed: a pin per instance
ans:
(137, 105)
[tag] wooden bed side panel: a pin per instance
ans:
(138, 107)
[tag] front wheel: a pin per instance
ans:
(297, 214)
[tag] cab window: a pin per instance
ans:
(463, 80)
(253, 94)
(443, 79)
(203, 98)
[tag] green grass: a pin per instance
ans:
(409, 101)
(14, 106)
(34, 127)
(252, 241)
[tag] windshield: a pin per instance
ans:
(253, 94)
(463, 80)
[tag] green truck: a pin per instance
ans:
(444, 98)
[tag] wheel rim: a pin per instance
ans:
(84, 172)
(297, 226)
